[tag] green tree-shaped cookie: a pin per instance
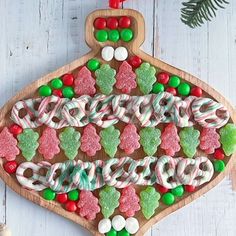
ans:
(149, 201)
(70, 142)
(150, 140)
(146, 77)
(105, 78)
(228, 139)
(189, 140)
(110, 139)
(109, 200)
(28, 143)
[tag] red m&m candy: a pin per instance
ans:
(219, 154)
(15, 129)
(62, 198)
(196, 91)
(135, 61)
(162, 189)
(112, 23)
(163, 78)
(172, 91)
(190, 188)
(71, 206)
(100, 23)
(10, 167)
(124, 22)
(57, 92)
(68, 79)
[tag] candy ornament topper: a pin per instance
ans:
(117, 139)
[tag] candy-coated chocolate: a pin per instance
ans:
(196, 91)
(121, 54)
(219, 166)
(135, 61)
(157, 88)
(56, 83)
(189, 188)
(112, 232)
(45, 91)
(73, 195)
(172, 90)
(123, 232)
(178, 191)
(118, 222)
(104, 226)
(126, 35)
(124, 22)
(219, 154)
(113, 35)
(15, 129)
(162, 189)
(71, 206)
(10, 167)
(62, 198)
(68, 92)
(112, 23)
(163, 78)
(68, 79)
(93, 64)
(114, 3)
(100, 23)
(168, 199)
(101, 36)
(174, 81)
(49, 194)
(58, 93)
(184, 89)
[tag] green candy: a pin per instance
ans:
(113, 35)
(174, 81)
(70, 142)
(68, 92)
(110, 139)
(168, 199)
(184, 89)
(123, 232)
(28, 143)
(105, 79)
(178, 191)
(149, 201)
(219, 166)
(45, 91)
(49, 194)
(56, 83)
(73, 195)
(145, 77)
(157, 88)
(112, 232)
(189, 140)
(109, 200)
(126, 35)
(101, 36)
(150, 140)
(93, 64)
(228, 139)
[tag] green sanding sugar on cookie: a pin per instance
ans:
(150, 140)
(189, 141)
(28, 143)
(105, 78)
(149, 201)
(109, 200)
(145, 77)
(70, 142)
(110, 139)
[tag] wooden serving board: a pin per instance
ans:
(134, 49)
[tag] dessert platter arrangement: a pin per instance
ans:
(116, 140)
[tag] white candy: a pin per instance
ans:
(121, 54)
(132, 225)
(104, 226)
(118, 222)
(107, 53)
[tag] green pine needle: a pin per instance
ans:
(195, 12)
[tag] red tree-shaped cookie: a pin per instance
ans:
(129, 139)
(125, 79)
(8, 145)
(209, 140)
(84, 82)
(90, 141)
(170, 140)
(129, 201)
(88, 205)
(48, 143)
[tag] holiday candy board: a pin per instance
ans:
(116, 140)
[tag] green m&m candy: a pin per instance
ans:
(48, 194)
(219, 166)
(184, 89)
(123, 232)
(101, 36)
(68, 92)
(157, 88)
(126, 35)
(178, 191)
(112, 232)
(73, 195)
(56, 83)
(113, 35)
(93, 64)
(174, 81)
(45, 91)
(168, 198)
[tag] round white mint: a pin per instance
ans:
(118, 222)
(121, 54)
(104, 226)
(107, 53)
(132, 225)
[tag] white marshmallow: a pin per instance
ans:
(107, 53)
(121, 54)
(132, 225)
(104, 226)
(118, 222)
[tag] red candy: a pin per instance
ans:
(129, 201)
(114, 3)
(88, 205)
(112, 23)
(84, 82)
(58, 93)
(100, 23)
(190, 188)
(135, 61)
(125, 79)
(10, 167)
(163, 78)
(15, 129)
(170, 140)
(90, 141)
(124, 22)
(68, 79)
(209, 140)
(172, 91)
(71, 206)
(129, 139)
(8, 145)
(48, 143)
(196, 91)
(62, 198)
(219, 154)
(162, 189)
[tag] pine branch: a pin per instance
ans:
(195, 12)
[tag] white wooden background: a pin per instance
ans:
(41, 35)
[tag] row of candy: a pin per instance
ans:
(104, 111)
(167, 171)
